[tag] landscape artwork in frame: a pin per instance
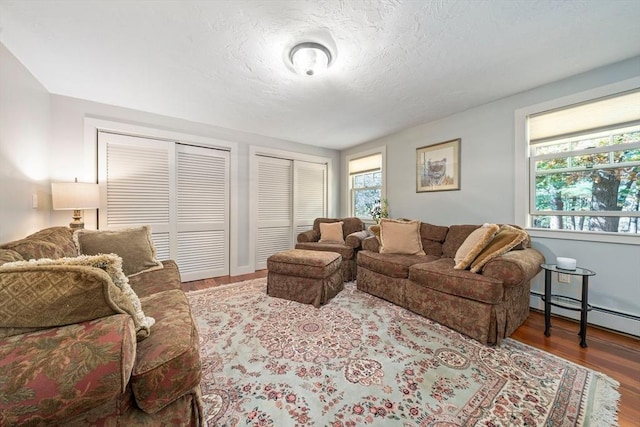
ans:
(438, 167)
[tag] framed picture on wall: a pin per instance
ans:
(438, 167)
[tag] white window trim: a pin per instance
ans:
(521, 162)
(93, 125)
(347, 179)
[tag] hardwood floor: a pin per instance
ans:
(615, 355)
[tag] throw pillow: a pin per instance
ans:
(400, 237)
(506, 239)
(331, 232)
(112, 265)
(133, 245)
(473, 245)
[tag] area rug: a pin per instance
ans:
(360, 360)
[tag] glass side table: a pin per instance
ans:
(568, 303)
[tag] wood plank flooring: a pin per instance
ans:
(613, 354)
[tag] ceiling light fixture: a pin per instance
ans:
(310, 58)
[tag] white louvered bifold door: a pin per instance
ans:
(309, 194)
(275, 208)
(135, 179)
(202, 212)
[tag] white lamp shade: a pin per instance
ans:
(310, 58)
(75, 196)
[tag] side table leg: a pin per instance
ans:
(583, 311)
(547, 302)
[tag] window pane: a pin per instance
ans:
(377, 179)
(358, 181)
(550, 164)
(590, 160)
(368, 180)
(626, 138)
(626, 156)
(552, 149)
(611, 189)
(590, 143)
(363, 201)
(587, 223)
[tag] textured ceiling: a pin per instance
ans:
(398, 63)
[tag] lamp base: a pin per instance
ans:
(77, 222)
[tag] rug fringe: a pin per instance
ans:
(604, 408)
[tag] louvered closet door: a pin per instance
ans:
(310, 194)
(275, 208)
(135, 179)
(202, 212)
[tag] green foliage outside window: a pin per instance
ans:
(576, 189)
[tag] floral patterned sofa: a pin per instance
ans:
(487, 305)
(71, 352)
(353, 232)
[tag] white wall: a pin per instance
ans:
(68, 155)
(24, 150)
(487, 190)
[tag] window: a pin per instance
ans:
(365, 185)
(585, 166)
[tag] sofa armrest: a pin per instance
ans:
(371, 243)
(308, 236)
(354, 240)
(52, 375)
(57, 295)
(515, 267)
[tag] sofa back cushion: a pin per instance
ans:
(350, 225)
(53, 243)
(455, 238)
(433, 236)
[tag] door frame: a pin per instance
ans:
(93, 125)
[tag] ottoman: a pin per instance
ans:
(308, 277)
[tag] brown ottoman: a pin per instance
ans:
(308, 277)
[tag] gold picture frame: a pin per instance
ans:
(438, 167)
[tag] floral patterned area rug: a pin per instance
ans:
(361, 361)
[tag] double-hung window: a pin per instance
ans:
(365, 184)
(585, 166)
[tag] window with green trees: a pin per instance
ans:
(365, 185)
(588, 181)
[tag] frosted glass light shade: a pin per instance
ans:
(310, 58)
(75, 195)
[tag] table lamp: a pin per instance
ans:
(75, 196)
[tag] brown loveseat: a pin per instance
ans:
(486, 306)
(69, 355)
(353, 232)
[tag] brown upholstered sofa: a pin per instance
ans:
(486, 306)
(353, 232)
(70, 356)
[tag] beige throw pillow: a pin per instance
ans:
(331, 232)
(474, 244)
(507, 238)
(133, 245)
(400, 237)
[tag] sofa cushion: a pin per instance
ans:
(331, 232)
(350, 224)
(474, 244)
(151, 282)
(433, 237)
(53, 242)
(441, 276)
(392, 265)
(133, 245)
(54, 374)
(168, 362)
(456, 236)
(504, 240)
(400, 237)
